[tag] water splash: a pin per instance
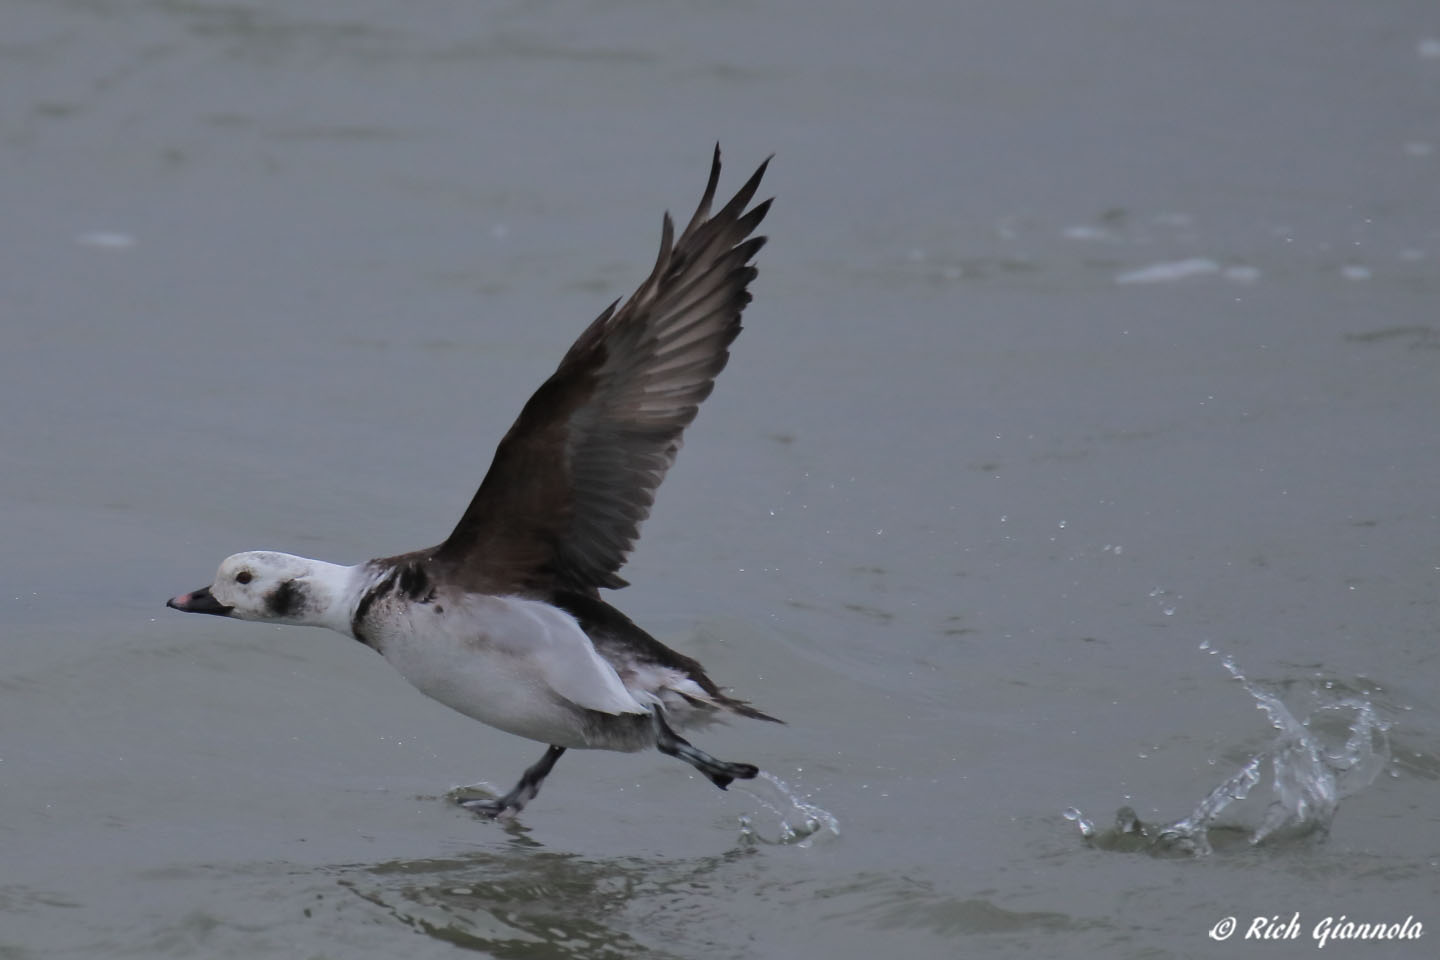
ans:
(795, 820)
(1192, 834)
(1337, 750)
(1073, 814)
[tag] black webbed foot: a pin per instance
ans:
(524, 791)
(719, 772)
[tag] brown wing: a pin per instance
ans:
(562, 503)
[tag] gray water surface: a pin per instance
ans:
(1088, 333)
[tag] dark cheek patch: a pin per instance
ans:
(285, 600)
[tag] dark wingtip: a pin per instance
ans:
(759, 173)
(702, 210)
(667, 245)
(743, 196)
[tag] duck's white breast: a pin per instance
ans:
(519, 665)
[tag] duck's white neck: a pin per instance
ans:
(337, 590)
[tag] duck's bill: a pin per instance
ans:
(199, 601)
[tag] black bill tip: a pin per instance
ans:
(199, 601)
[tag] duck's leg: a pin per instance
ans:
(524, 791)
(721, 774)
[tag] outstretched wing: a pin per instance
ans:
(562, 503)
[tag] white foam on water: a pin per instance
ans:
(106, 240)
(1169, 271)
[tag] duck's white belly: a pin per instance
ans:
(520, 666)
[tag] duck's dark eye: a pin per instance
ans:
(244, 576)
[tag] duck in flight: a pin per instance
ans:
(503, 621)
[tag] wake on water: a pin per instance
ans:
(1337, 749)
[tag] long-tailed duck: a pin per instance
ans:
(504, 621)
